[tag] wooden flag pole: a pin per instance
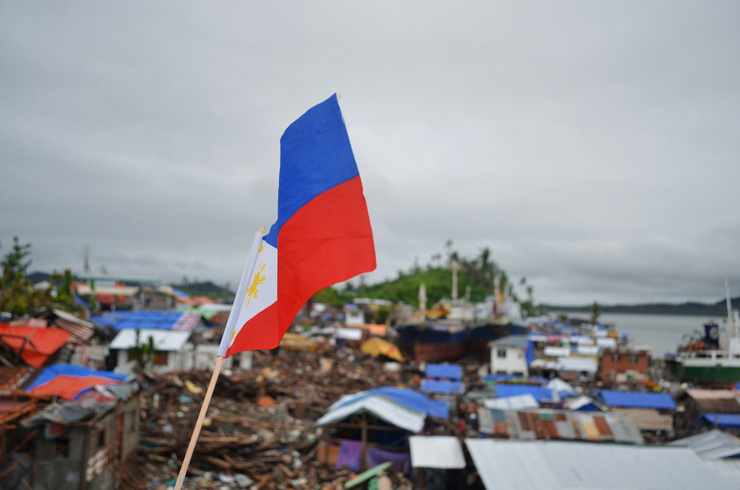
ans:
(199, 423)
(222, 351)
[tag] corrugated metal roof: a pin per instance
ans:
(436, 452)
(558, 424)
(122, 391)
(448, 371)
(570, 465)
(12, 378)
(519, 402)
(164, 340)
(635, 399)
(713, 444)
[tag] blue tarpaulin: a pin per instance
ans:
(540, 393)
(442, 386)
(148, 320)
(448, 371)
(721, 420)
(636, 399)
(403, 396)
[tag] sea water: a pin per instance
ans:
(663, 333)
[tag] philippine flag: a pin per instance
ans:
(322, 235)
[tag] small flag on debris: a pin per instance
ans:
(322, 235)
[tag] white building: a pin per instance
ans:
(173, 352)
(508, 355)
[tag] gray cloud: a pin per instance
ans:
(591, 147)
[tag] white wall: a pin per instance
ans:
(513, 360)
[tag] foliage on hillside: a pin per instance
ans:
(207, 289)
(475, 281)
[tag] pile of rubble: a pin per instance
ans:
(258, 431)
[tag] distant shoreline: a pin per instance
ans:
(695, 309)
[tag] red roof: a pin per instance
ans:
(34, 344)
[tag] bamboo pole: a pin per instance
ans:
(199, 423)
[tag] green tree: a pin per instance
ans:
(143, 354)
(18, 297)
(595, 312)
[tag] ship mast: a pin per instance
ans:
(732, 317)
(455, 267)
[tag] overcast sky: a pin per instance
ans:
(592, 146)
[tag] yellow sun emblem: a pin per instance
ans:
(251, 290)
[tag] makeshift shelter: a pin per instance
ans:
(651, 411)
(433, 457)
(384, 417)
(708, 408)
(87, 443)
(375, 347)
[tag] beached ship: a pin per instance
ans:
(435, 340)
(713, 359)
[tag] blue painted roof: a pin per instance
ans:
(407, 397)
(636, 399)
(722, 420)
(442, 386)
(449, 371)
(151, 320)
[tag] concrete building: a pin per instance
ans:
(508, 355)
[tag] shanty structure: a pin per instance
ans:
(651, 411)
(86, 438)
(438, 461)
(555, 465)
(703, 408)
(372, 427)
